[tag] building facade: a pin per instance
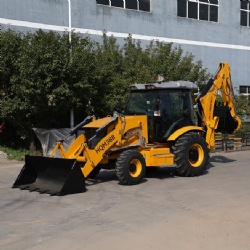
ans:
(212, 30)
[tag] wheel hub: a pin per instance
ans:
(196, 155)
(135, 168)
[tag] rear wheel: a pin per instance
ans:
(191, 154)
(130, 167)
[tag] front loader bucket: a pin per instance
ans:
(55, 176)
(227, 124)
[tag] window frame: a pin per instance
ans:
(139, 5)
(198, 15)
(246, 11)
(247, 90)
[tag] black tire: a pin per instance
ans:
(191, 154)
(130, 167)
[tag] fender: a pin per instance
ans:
(182, 131)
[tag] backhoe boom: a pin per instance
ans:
(213, 117)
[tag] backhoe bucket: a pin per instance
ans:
(54, 176)
(227, 124)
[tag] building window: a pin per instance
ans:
(206, 10)
(143, 5)
(244, 13)
(245, 90)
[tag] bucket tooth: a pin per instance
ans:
(44, 192)
(55, 176)
(34, 189)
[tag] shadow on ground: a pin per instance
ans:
(221, 159)
(109, 175)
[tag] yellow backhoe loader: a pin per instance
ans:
(156, 129)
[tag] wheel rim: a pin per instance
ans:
(196, 155)
(135, 168)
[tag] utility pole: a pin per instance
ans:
(70, 52)
(70, 27)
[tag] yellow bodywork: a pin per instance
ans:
(182, 131)
(156, 157)
(127, 131)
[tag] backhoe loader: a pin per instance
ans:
(157, 128)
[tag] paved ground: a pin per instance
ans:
(207, 212)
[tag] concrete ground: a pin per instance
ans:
(164, 212)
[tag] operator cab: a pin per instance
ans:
(168, 106)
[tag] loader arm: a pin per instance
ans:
(122, 133)
(213, 117)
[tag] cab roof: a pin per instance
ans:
(164, 85)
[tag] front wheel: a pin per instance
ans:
(130, 167)
(191, 154)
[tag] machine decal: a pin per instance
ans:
(102, 147)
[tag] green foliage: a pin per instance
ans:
(16, 154)
(43, 76)
(169, 62)
(106, 76)
(243, 107)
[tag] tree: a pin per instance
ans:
(106, 81)
(43, 76)
(10, 49)
(47, 80)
